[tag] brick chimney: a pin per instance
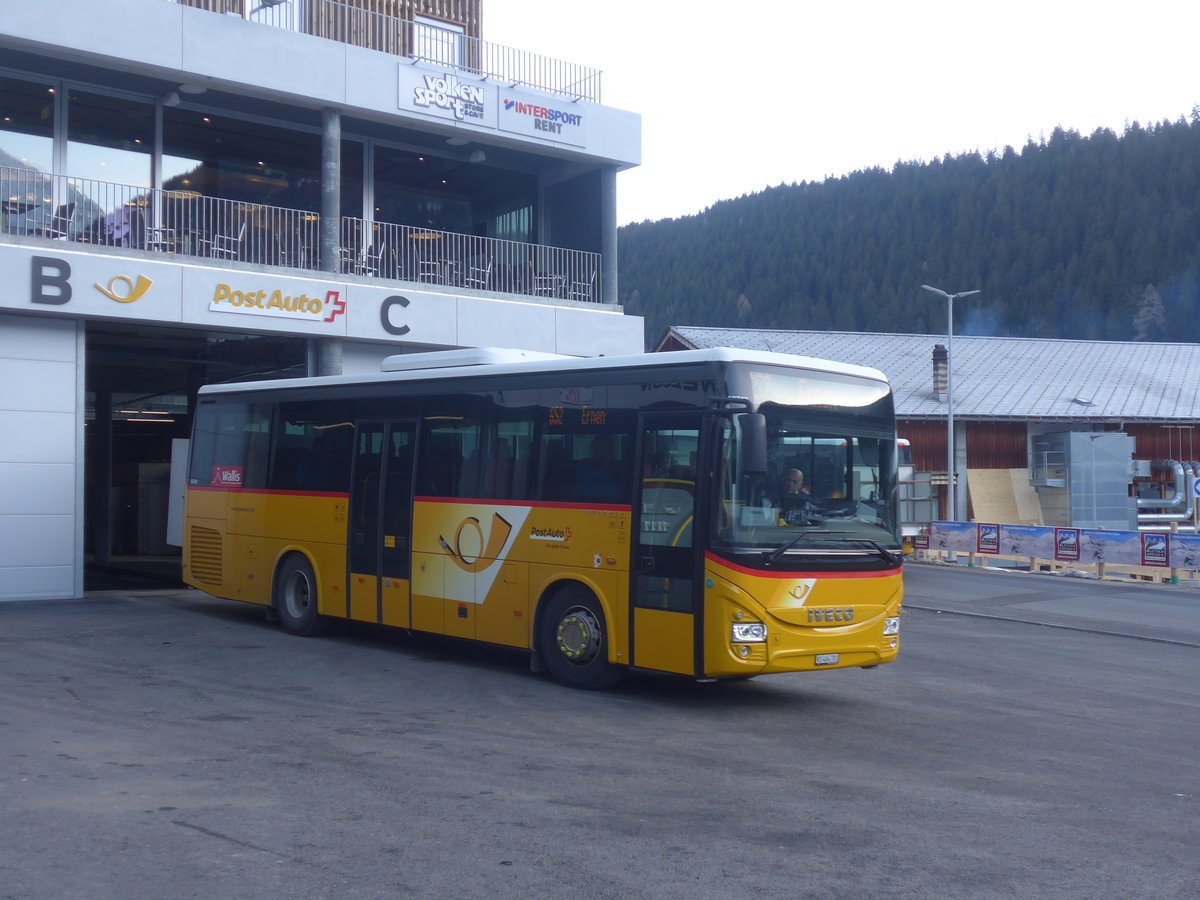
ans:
(940, 368)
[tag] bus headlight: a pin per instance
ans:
(749, 633)
(891, 625)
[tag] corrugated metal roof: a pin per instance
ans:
(1002, 378)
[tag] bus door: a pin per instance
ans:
(666, 564)
(380, 526)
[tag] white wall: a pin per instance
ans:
(182, 44)
(41, 458)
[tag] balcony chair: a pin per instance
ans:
(478, 273)
(549, 284)
(58, 224)
(582, 290)
(356, 261)
(223, 246)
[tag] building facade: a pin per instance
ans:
(199, 191)
(1010, 395)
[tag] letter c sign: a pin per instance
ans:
(385, 318)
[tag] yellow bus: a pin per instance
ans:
(603, 514)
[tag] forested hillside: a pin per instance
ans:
(1093, 237)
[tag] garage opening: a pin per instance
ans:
(140, 385)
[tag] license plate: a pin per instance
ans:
(827, 659)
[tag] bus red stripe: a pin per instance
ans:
(548, 504)
(532, 504)
(222, 489)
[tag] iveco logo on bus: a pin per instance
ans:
(832, 614)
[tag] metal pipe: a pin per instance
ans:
(1181, 487)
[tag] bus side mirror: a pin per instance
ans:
(753, 428)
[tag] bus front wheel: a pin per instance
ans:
(574, 641)
(296, 598)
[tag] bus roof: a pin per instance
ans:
(487, 360)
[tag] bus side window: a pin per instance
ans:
(447, 464)
(558, 471)
(204, 435)
(313, 445)
(231, 447)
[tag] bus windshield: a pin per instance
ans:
(830, 484)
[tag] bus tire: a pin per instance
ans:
(574, 640)
(295, 596)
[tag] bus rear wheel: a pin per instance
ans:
(296, 598)
(574, 641)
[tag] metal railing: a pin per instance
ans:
(185, 223)
(409, 253)
(353, 24)
(107, 214)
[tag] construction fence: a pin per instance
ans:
(1148, 553)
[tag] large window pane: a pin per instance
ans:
(109, 139)
(26, 155)
(26, 124)
(250, 162)
(352, 179)
(419, 190)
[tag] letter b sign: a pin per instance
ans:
(49, 280)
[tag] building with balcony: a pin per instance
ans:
(198, 191)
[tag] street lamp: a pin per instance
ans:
(951, 512)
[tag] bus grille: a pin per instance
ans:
(205, 562)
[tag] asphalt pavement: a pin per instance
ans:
(1142, 609)
(1036, 738)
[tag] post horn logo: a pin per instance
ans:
(491, 548)
(124, 290)
(801, 590)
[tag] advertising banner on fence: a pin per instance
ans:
(1085, 545)
(1066, 544)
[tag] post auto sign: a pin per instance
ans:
(262, 302)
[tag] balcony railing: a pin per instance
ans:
(357, 24)
(185, 223)
(107, 214)
(407, 253)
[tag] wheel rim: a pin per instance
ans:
(297, 595)
(578, 635)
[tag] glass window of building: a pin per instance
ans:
(438, 41)
(109, 139)
(110, 150)
(420, 190)
(352, 179)
(26, 124)
(26, 156)
(236, 159)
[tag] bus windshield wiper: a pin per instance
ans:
(884, 553)
(771, 557)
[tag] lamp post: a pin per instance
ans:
(951, 511)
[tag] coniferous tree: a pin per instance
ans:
(1063, 236)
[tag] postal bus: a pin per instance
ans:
(602, 514)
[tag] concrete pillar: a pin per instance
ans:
(329, 357)
(100, 500)
(326, 357)
(608, 235)
(331, 188)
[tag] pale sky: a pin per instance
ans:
(738, 97)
